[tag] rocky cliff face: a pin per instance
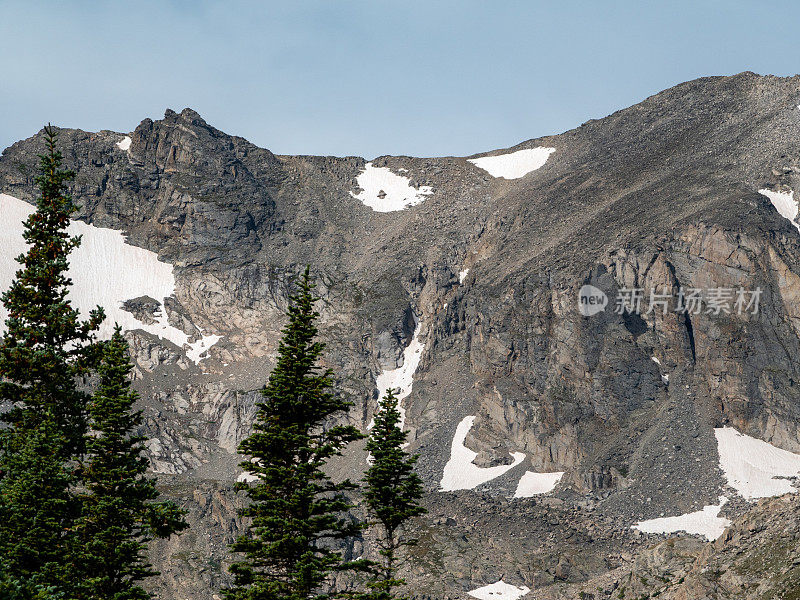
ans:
(485, 271)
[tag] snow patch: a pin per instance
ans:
(515, 164)
(462, 275)
(105, 271)
(784, 203)
(705, 522)
(532, 483)
(384, 191)
(459, 472)
(753, 467)
(197, 349)
(124, 144)
(248, 476)
(665, 376)
(499, 591)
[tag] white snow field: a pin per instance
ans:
(462, 275)
(705, 522)
(784, 203)
(402, 378)
(533, 483)
(459, 472)
(515, 164)
(753, 467)
(499, 591)
(384, 191)
(105, 271)
(124, 144)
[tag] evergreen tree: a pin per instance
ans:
(44, 352)
(392, 493)
(119, 515)
(296, 510)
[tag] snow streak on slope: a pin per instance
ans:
(402, 378)
(515, 164)
(664, 376)
(124, 143)
(752, 467)
(462, 275)
(384, 191)
(532, 483)
(499, 591)
(705, 522)
(197, 349)
(784, 203)
(460, 473)
(106, 271)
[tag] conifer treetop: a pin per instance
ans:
(298, 514)
(42, 328)
(392, 491)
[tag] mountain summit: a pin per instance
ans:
(558, 444)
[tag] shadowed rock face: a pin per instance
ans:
(659, 196)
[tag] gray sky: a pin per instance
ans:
(339, 77)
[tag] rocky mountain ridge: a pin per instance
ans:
(483, 272)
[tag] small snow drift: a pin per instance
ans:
(384, 191)
(705, 522)
(197, 349)
(784, 203)
(246, 477)
(462, 275)
(499, 591)
(533, 483)
(124, 144)
(105, 270)
(402, 378)
(664, 376)
(515, 164)
(460, 473)
(753, 467)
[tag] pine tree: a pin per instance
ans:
(119, 515)
(44, 352)
(296, 510)
(392, 493)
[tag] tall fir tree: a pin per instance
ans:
(392, 491)
(119, 513)
(296, 510)
(44, 353)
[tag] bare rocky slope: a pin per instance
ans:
(661, 195)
